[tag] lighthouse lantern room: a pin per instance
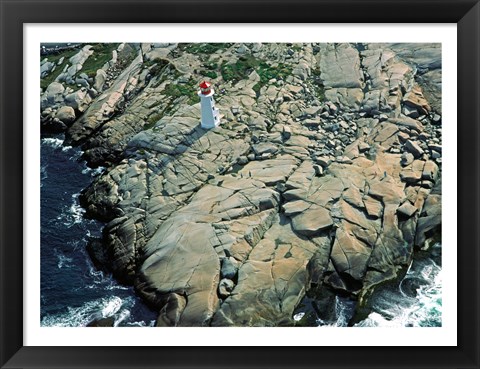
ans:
(210, 116)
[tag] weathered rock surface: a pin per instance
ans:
(66, 114)
(326, 177)
(72, 88)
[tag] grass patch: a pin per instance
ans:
(67, 54)
(203, 48)
(239, 70)
(182, 89)
(267, 72)
(247, 64)
(102, 53)
(209, 73)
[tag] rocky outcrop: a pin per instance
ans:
(104, 107)
(75, 65)
(72, 88)
(325, 175)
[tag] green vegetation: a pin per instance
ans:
(211, 66)
(152, 120)
(102, 53)
(319, 90)
(247, 64)
(176, 90)
(296, 47)
(211, 70)
(203, 48)
(173, 91)
(318, 87)
(44, 82)
(240, 70)
(209, 73)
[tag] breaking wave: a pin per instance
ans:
(73, 291)
(417, 303)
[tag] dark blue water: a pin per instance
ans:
(73, 292)
(416, 301)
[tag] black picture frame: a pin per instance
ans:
(466, 13)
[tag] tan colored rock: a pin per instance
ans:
(407, 209)
(414, 148)
(295, 207)
(387, 189)
(374, 207)
(66, 114)
(312, 221)
(430, 171)
(349, 254)
(407, 122)
(415, 99)
(353, 197)
(270, 283)
(270, 171)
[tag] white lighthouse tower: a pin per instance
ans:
(210, 117)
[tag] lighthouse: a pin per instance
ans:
(210, 117)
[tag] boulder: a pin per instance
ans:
(78, 100)
(413, 148)
(407, 209)
(66, 114)
(415, 99)
(100, 79)
(225, 287)
(46, 68)
(52, 96)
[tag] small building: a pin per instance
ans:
(210, 114)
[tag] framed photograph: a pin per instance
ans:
(247, 185)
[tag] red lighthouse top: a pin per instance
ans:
(205, 87)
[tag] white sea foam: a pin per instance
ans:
(63, 261)
(80, 316)
(52, 142)
(298, 317)
(43, 174)
(140, 324)
(344, 309)
(77, 153)
(420, 306)
(112, 307)
(73, 214)
(100, 279)
(93, 171)
(124, 314)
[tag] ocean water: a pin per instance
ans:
(415, 302)
(73, 292)
(412, 301)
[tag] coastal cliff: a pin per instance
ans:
(323, 178)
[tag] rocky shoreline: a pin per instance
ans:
(323, 178)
